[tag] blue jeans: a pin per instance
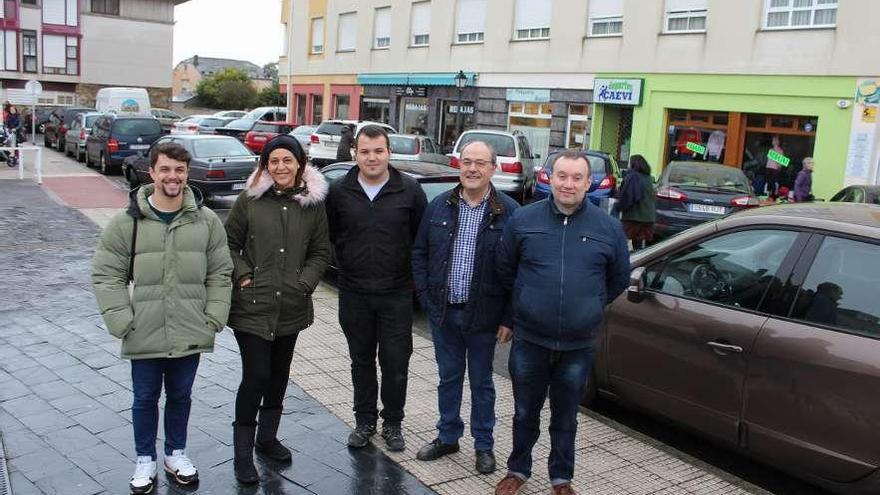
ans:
(147, 376)
(534, 370)
(456, 349)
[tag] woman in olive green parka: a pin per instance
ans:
(279, 245)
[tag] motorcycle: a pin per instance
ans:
(8, 138)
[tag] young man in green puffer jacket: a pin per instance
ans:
(181, 275)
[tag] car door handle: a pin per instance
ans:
(722, 347)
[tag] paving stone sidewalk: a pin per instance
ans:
(65, 396)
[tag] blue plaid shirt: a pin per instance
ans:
(462, 269)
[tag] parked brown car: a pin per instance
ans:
(761, 331)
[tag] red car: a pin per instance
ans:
(262, 132)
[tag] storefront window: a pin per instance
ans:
(447, 126)
(578, 126)
(317, 109)
(341, 104)
(375, 110)
(533, 121)
(414, 116)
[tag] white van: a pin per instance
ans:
(123, 101)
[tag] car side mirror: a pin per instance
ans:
(635, 293)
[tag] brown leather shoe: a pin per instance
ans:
(564, 489)
(509, 485)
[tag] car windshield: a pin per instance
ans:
(90, 120)
(263, 127)
(137, 126)
(503, 145)
(330, 128)
(303, 130)
(598, 165)
(69, 115)
(209, 122)
(712, 177)
(404, 145)
(213, 148)
(254, 114)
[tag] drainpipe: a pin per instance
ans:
(290, 62)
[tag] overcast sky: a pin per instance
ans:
(239, 29)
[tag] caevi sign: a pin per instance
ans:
(618, 91)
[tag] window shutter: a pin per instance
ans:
(471, 16)
(347, 32)
(533, 13)
(54, 50)
(53, 12)
(684, 5)
(11, 51)
(383, 23)
(606, 8)
(318, 33)
(2, 9)
(72, 12)
(421, 18)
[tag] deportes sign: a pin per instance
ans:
(618, 91)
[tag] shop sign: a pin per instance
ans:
(411, 91)
(465, 109)
(869, 115)
(868, 92)
(618, 91)
(528, 95)
(696, 148)
(778, 158)
(417, 107)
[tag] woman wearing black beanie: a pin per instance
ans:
(279, 244)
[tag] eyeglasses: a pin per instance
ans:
(468, 163)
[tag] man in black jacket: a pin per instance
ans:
(373, 215)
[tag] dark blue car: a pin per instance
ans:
(605, 177)
(113, 139)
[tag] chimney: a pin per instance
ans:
(195, 61)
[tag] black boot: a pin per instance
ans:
(267, 436)
(243, 445)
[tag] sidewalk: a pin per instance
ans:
(65, 395)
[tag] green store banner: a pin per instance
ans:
(778, 158)
(696, 148)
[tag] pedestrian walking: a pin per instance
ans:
(280, 247)
(562, 260)
(343, 151)
(457, 286)
(803, 184)
(374, 213)
(162, 280)
(637, 204)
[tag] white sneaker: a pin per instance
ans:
(144, 477)
(179, 466)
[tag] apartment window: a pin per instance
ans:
(346, 35)
(28, 2)
(470, 21)
(382, 28)
(606, 18)
(109, 7)
(421, 24)
(318, 35)
(8, 51)
(341, 105)
(60, 55)
(686, 16)
(532, 19)
(60, 12)
(783, 14)
(29, 51)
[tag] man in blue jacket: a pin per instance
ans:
(562, 260)
(454, 272)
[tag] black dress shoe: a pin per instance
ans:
(436, 450)
(361, 435)
(485, 463)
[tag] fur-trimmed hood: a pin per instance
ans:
(315, 186)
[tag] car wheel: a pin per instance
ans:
(47, 143)
(132, 177)
(105, 166)
(67, 151)
(61, 145)
(80, 156)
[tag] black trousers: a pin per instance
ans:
(265, 370)
(383, 323)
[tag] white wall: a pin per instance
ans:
(126, 53)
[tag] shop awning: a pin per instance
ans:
(414, 79)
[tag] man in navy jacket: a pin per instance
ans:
(457, 285)
(562, 260)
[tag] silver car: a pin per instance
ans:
(413, 147)
(515, 168)
(303, 134)
(199, 124)
(75, 140)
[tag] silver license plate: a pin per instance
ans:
(714, 210)
(140, 146)
(239, 186)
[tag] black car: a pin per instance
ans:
(43, 115)
(690, 193)
(858, 194)
(114, 138)
(55, 128)
(220, 164)
(434, 179)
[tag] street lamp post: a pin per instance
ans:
(460, 82)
